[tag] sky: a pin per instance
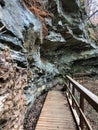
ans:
(94, 8)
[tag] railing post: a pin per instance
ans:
(68, 83)
(85, 94)
(73, 92)
(82, 108)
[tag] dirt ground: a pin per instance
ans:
(33, 115)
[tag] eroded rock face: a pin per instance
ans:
(21, 34)
(15, 25)
(68, 40)
(66, 49)
(13, 103)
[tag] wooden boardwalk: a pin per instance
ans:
(55, 114)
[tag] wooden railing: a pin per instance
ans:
(84, 94)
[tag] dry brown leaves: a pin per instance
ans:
(13, 79)
(37, 7)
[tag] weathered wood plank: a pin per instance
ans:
(55, 114)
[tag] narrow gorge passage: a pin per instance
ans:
(42, 41)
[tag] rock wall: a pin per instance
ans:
(13, 103)
(15, 28)
(21, 34)
(69, 40)
(67, 48)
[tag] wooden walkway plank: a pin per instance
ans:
(55, 114)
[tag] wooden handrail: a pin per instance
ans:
(88, 95)
(84, 94)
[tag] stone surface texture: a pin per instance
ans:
(66, 49)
